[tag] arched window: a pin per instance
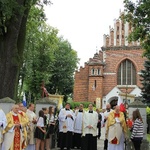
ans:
(126, 73)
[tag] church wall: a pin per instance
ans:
(115, 49)
(81, 84)
(113, 60)
(95, 89)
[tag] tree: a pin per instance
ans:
(145, 74)
(138, 14)
(35, 20)
(38, 54)
(64, 65)
(13, 19)
(47, 58)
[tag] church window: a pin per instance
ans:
(92, 71)
(126, 73)
(95, 84)
(98, 72)
(117, 36)
(117, 28)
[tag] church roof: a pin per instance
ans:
(96, 60)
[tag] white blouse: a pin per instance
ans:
(40, 122)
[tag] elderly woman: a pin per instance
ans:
(116, 130)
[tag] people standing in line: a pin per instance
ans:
(3, 123)
(13, 130)
(99, 124)
(116, 129)
(137, 130)
(25, 121)
(66, 125)
(106, 113)
(89, 135)
(31, 127)
(78, 124)
(40, 132)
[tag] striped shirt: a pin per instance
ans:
(137, 129)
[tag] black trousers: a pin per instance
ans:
(137, 144)
(99, 132)
(89, 142)
(76, 140)
(105, 144)
(65, 140)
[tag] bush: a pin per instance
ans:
(148, 119)
(76, 104)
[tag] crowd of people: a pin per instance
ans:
(21, 128)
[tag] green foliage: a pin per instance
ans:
(76, 104)
(148, 137)
(13, 21)
(64, 65)
(148, 112)
(38, 52)
(145, 74)
(138, 14)
(47, 58)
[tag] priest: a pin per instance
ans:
(3, 123)
(89, 135)
(13, 131)
(78, 127)
(25, 121)
(116, 130)
(66, 124)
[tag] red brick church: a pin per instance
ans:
(113, 72)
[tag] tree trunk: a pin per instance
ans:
(11, 53)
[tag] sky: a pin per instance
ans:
(83, 23)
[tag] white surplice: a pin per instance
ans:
(3, 123)
(66, 123)
(78, 122)
(90, 119)
(119, 146)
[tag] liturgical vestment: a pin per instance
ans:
(13, 137)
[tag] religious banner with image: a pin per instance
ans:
(98, 103)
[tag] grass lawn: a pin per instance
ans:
(148, 137)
